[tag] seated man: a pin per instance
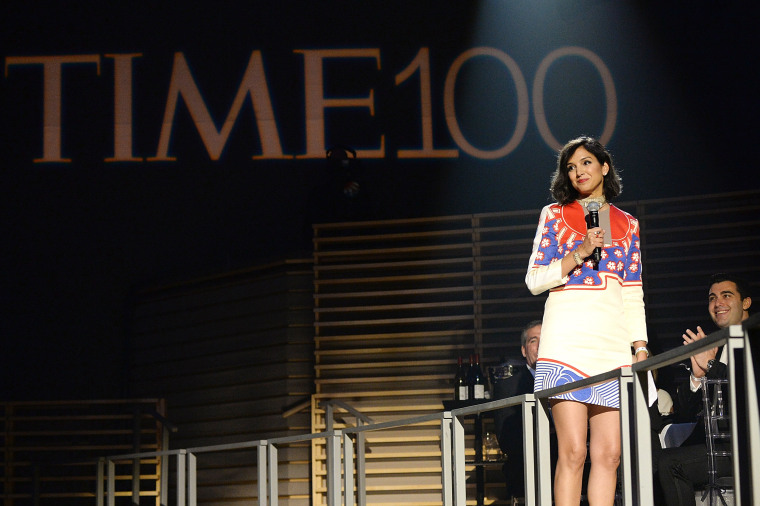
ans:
(682, 468)
(509, 427)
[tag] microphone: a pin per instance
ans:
(593, 214)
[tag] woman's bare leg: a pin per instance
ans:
(604, 448)
(571, 424)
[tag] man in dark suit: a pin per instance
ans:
(509, 427)
(685, 467)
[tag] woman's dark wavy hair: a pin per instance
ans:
(561, 188)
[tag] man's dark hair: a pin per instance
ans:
(524, 333)
(742, 286)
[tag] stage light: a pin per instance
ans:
(342, 160)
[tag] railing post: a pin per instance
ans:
(457, 457)
(743, 400)
(751, 362)
(181, 479)
(360, 462)
(348, 470)
(333, 468)
(111, 484)
(641, 468)
(446, 488)
(529, 449)
(99, 476)
(627, 432)
(261, 470)
(273, 480)
(543, 452)
(329, 410)
(192, 482)
(361, 467)
(163, 481)
(329, 423)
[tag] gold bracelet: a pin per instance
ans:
(577, 258)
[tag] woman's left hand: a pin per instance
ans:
(641, 354)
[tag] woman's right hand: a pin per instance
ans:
(594, 239)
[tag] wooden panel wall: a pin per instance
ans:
(231, 354)
(685, 241)
(50, 449)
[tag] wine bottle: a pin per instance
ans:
(475, 379)
(460, 382)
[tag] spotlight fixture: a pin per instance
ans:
(343, 160)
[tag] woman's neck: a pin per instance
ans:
(585, 201)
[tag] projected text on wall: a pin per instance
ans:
(182, 86)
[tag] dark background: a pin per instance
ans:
(81, 238)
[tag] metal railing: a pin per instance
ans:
(106, 468)
(50, 448)
(636, 455)
(743, 346)
(362, 420)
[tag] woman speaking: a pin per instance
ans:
(587, 253)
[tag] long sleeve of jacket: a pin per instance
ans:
(544, 277)
(688, 405)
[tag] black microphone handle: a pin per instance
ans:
(594, 218)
